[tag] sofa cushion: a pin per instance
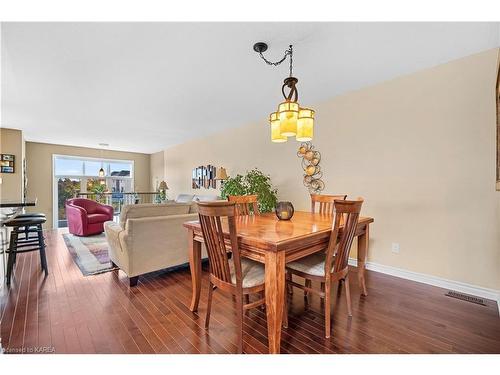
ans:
(184, 198)
(97, 218)
(135, 211)
(252, 273)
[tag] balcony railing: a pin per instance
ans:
(118, 200)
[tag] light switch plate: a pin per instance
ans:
(395, 247)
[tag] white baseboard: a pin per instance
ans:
(458, 286)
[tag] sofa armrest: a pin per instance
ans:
(117, 253)
(112, 231)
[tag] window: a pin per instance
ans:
(120, 169)
(68, 167)
(77, 175)
(92, 167)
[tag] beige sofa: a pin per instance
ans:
(149, 237)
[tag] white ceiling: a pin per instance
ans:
(146, 86)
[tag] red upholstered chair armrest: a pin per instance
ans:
(106, 209)
(76, 213)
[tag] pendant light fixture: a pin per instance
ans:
(290, 120)
(101, 172)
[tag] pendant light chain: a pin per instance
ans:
(288, 52)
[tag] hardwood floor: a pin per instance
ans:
(69, 313)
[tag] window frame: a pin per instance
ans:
(83, 178)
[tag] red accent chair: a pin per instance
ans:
(86, 217)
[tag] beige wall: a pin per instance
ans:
(12, 142)
(420, 149)
(157, 169)
(40, 174)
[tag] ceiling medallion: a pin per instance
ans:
(290, 120)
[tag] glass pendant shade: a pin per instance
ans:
(276, 128)
(305, 125)
(101, 172)
(288, 115)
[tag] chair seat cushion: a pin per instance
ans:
(24, 221)
(97, 218)
(313, 264)
(252, 272)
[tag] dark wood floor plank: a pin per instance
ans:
(72, 313)
(20, 279)
(30, 340)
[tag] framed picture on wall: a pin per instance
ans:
(7, 163)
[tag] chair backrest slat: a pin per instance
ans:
(345, 222)
(212, 216)
(325, 202)
(245, 204)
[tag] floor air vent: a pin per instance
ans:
(465, 297)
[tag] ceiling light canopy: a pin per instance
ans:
(290, 120)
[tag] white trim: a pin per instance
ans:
(440, 282)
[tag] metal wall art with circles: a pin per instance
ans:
(312, 170)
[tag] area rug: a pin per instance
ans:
(89, 253)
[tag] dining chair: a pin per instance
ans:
(331, 266)
(245, 204)
(325, 202)
(236, 275)
(325, 207)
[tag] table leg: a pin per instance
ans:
(363, 240)
(275, 297)
(195, 266)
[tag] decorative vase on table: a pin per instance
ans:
(284, 210)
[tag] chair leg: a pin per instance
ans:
(239, 313)
(12, 256)
(247, 301)
(322, 288)
(41, 243)
(307, 284)
(327, 310)
(348, 295)
(289, 287)
(209, 305)
(285, 313)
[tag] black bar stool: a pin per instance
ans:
(21, 242)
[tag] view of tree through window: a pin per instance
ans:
(66, 189)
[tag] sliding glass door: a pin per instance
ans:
(77, 176)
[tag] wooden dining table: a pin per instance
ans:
(274, 243)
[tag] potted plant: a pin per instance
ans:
(253, 182)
